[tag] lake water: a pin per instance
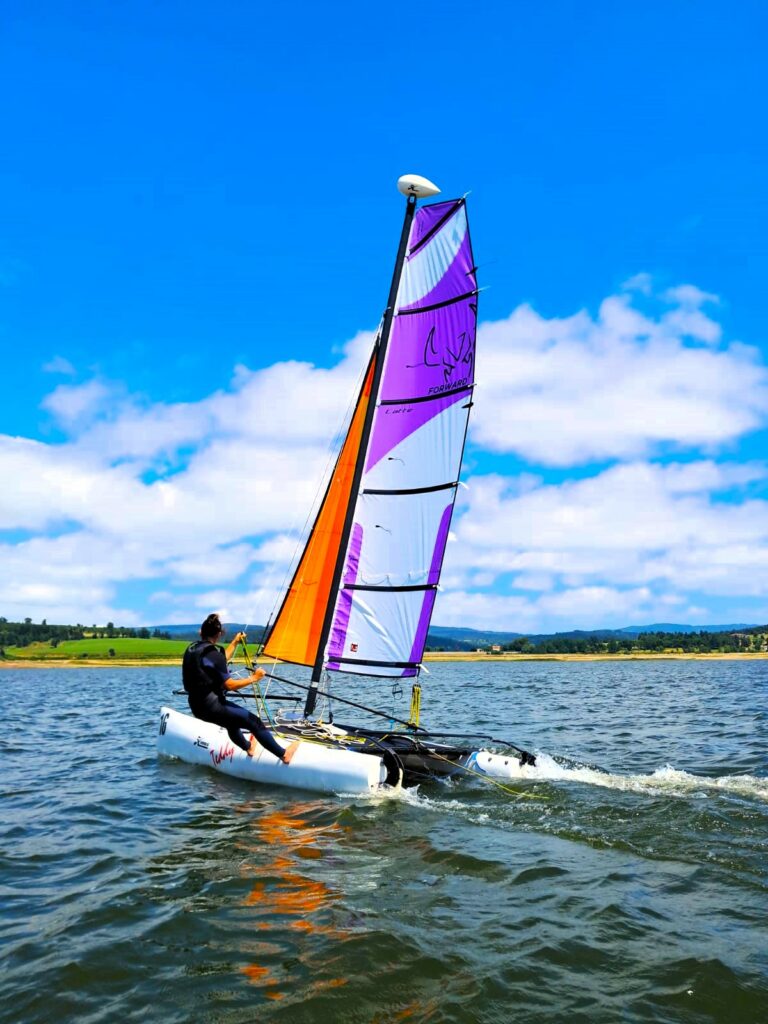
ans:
(628, 882)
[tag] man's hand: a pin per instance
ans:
(257, 675)
(239, 638)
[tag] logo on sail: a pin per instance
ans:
(458, 356)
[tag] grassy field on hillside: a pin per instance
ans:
(125, 649)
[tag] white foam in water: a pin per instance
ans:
(666, 780)
(663, 781)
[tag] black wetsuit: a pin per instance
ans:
(205, 672)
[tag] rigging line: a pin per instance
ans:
(315, 531)
(334, 453)
(256, 688)
(351, 703)
(480, 736)
(249, 696)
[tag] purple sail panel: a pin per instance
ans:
(420, 638)
(431, 352)
(439, 552)
(426, 218)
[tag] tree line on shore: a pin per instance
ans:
(748, 640)
(754, 639)
(22, 634)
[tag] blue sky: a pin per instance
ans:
(195, 197)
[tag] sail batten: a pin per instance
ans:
(438, 305)
(412, 490)
(462, 389)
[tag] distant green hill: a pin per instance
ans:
(102, 649)
(121, 648)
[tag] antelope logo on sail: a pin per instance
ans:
(463, 358)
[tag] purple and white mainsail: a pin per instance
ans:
(412, 458)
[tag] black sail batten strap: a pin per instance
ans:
(438, 305)
(410, 490)
(396, 589)
(374, 664)
(436, 227)
(426, 398)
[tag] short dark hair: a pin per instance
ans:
(212, 626)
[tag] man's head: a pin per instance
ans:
(212, 628)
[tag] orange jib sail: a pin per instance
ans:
(295, 636)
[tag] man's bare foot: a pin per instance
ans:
(252, 749)
(288, 755)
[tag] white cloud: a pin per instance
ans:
(59, 365)
(287, 404)
(625, 543)
(564, 392)
(132, 503)
(75, 404)
(642, 283)
(689, 296)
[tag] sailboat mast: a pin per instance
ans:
(380, 352)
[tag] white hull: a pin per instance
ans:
(498, 766)
(313, 767)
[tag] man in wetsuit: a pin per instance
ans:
(205, 672)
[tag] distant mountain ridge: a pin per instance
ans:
(672, 627)
(192, 632)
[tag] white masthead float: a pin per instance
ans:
(363, 591)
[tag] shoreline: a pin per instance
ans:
(441, 656)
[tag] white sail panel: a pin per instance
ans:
(428, 266)
(399, 535)
(383, 630)
(418, 452)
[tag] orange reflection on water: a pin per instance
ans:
(419, 1010)
(283, 892)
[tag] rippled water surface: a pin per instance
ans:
(627, 882)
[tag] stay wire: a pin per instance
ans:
(314, 510)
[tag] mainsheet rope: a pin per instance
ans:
(414, 729)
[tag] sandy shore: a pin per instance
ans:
(460, 656)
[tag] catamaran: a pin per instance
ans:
(361, 597)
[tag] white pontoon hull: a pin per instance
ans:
(498, 766)
(313, 767)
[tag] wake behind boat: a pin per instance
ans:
(361, 598)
